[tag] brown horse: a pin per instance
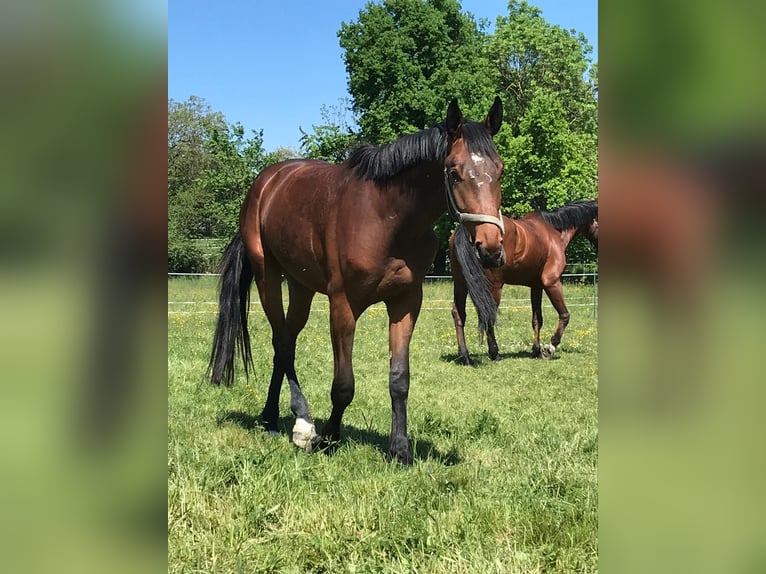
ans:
(535, 247)
(359, 232)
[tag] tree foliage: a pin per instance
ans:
(211, 165)
(332, 140)
(189, 124)
(405, 60)
(550, 144)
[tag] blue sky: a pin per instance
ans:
(272, 64)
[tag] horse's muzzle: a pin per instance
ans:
(495, 258)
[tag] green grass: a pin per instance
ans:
(504, 478)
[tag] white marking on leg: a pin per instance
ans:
(548, 351)
(303, 433)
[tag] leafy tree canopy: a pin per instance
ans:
(406, 59)
(211, 165)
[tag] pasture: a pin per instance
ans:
(505, 471)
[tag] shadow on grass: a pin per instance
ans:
(423, 449)
(478, 360)
(482, 358)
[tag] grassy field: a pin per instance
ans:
(505, 473)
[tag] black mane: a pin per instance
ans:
(573, 214)
(385, 162)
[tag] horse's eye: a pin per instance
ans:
(454, 176)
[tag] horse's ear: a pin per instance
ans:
(454, 119)
(494, 117)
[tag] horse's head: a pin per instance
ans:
(472, 171)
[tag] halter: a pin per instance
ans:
(462, 217)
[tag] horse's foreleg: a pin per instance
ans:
(492, 348)
(536, 297)
(342, 329)
(555, 293)
(402, 314)
(460, 294)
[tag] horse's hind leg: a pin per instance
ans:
(297, 315)
(536, 296)
(284, 333)
(555, 293)
(269, 281)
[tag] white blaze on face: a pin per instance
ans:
(479, 160)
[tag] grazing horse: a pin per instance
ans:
(359, 232)
(535, 247)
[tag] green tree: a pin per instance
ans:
(189, 125)
(280, 154)
(208, 206)
(406, 59)
(221, 187)
(550, 140)
(334, 138)
(211, 165)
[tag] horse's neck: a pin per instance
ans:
(515, 237)
(422, 195)
(568, 234)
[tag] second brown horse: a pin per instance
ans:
(535, 256)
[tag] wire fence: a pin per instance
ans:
(428, 277)
(586, 279)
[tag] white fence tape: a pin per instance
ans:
(505, 305)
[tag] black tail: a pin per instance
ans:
(233, 305)
(478, 286)
(572, 214)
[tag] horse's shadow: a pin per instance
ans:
(422, 449)
(478, 359)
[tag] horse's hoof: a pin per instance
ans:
(303, 433)
(466, 361)
(405, 458)
(548, 351)
(536, 354)
(400, 451)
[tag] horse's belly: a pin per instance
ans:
(300, 256)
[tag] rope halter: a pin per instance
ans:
(462, 217)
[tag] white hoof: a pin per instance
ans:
(303, 433)
(548, 351)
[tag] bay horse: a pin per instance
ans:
(535, 256)
(360, 232)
